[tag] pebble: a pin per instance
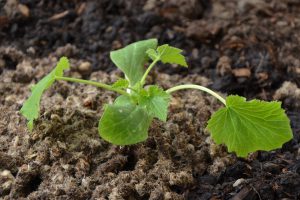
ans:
(10, 99)
(241, 72)
(85, 67)
(224, 65)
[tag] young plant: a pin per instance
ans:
(243, 126)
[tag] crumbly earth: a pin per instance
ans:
(250, 48)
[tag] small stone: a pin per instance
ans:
(85, 67)
(116, 44)
(238, 182)
(31, 50)
(241, 72)
(282, 23)
(224, 65)
(11, 99)
(190, 148)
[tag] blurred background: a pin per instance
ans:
(248, 47)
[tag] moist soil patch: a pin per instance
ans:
(249, 48)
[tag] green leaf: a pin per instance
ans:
(31, 107)
(123, 100)
(248, 126)
(132, 58)
(168, 54)
(121, 84)
(156, 101)
(124, 124)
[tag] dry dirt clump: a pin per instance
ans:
(65, 158)
(289, 93)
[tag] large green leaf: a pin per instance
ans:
(168, 54)
(250, 126)
(156, 101)
(31, 106)
(132, 58)
(124, 124)
(123, 100)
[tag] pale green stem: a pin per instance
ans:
(197, 87)
(94, 83)
(148, 70)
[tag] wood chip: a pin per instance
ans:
(262, 76)
(59, 16)
(24, 10)
(238, 182)
(81, 9)
(241, 72)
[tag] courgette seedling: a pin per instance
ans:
(244, 126)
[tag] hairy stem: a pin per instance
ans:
(148, 70)
(94, 83)
(197, 87)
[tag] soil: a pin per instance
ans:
(250, 48)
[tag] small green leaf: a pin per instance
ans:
(121, 84)
(167, 54)
(156, 101)
(124, 124)
(123, 100)
(31, 106)
(132, 58)
(248, 126)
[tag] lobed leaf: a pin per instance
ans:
(248, 126)
(168, 54)
(121, 84)
(132, 58)
(31, 107)
(124, 124)
(156, 101)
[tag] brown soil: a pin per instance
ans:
(65, 157)
(242, 47)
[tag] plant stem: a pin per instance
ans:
(197, 87)
(148, 70)
(94, 83)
